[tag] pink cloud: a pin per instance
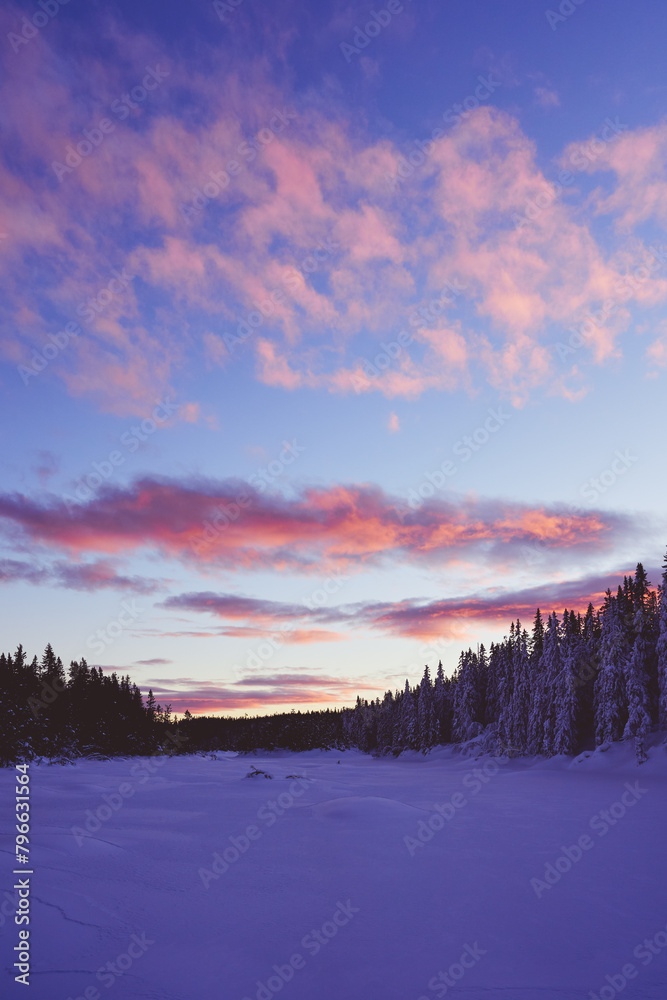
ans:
(318, 179)
(456, 618)
(317, 528)
(257, 692)
(547, 97)
(98, 575)
(450, 618)
(656, 352)
(638, 159)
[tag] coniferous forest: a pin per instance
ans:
(574, 681)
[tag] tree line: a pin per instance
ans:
(84, 713)
(574, 681)
(50, 714)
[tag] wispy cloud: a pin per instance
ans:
(321, 180)
(257, 692)
(453, 617)
(98, 575)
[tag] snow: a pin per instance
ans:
(337, 857)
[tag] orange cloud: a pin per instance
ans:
(257, 692)
(229, 523)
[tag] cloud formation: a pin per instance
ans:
(450, 618)
(229, 524)
(257, 692)
(447, 620)
(98, 575)
(276, 224)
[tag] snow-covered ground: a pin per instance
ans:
(204, 884)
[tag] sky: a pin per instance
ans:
(333, 337)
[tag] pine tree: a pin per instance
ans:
(427, 732)
(385, 724)
(661, 649)
(409, 720)
(587, 670)
(639, 666)
(567, 690)
(441, 705)
(520, 707)
(542, 722)
(468, 697)
(611, 707)
(537, 639)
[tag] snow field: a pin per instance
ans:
(319, 894)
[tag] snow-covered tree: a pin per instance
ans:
(639, 666)
(567, 692)
(661, 649)
(611, 707)
(519, 713)
(426, 724)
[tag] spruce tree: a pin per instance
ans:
(567, 689)
(611, 705)
(427, 733)
(639, 666)
(661, 649)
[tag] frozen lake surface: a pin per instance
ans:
(389, 879)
